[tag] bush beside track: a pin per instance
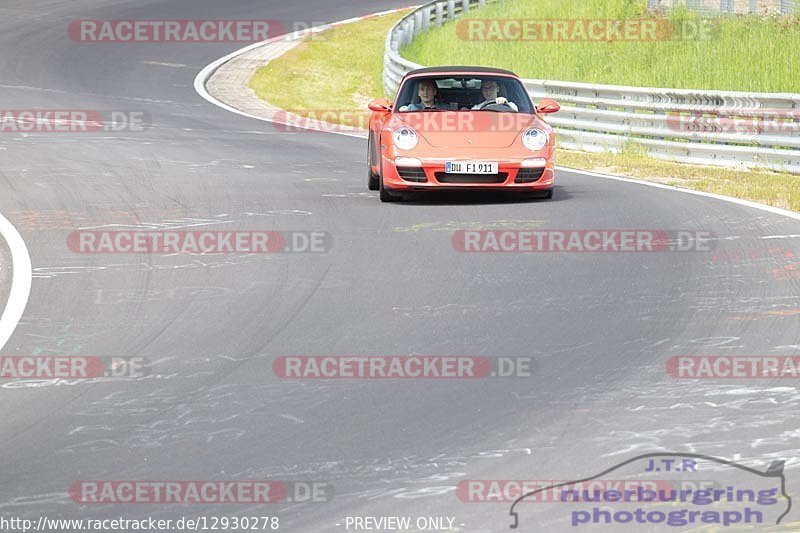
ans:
(342, 71)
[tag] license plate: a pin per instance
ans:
(470, 167)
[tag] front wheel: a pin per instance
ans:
(540, 195)
(372, 178)
(384, 194)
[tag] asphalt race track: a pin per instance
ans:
(600, 325)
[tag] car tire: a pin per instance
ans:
(373, 183)
(384, 194)
(541, 195)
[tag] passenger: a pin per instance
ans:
(427, 95)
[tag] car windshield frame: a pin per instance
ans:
(463, 91)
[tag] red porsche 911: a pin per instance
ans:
(461, 128)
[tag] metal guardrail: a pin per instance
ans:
(730, 7)
(721, 128)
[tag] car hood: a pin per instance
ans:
(486, 129)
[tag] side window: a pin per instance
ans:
(516, 92)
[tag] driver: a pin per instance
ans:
(427, 95)
(491, 95)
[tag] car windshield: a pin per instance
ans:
(460, 93)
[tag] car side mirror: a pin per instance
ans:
(380, 105)
(547, 106)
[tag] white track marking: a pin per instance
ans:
(20, 280)
(746, 203)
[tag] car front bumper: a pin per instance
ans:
(430, 173)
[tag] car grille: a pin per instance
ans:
(443, 177)
(529, 175)
(412, 174)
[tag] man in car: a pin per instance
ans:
(427, 95)
(491, 95)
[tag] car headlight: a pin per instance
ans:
(405, 138)
(535, 139)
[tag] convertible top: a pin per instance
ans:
(458, 69)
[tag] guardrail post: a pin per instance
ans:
(399, 39)
(439, 13)
(482, 3)
(451, 9)
(417, 22)
(652, 5)
(426, 19)
(387, 89)
(726, 6)
(695, 5)
(465, 6)
(786, 7)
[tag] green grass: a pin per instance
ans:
(338, 71)
(744, 53)
(770, 188)
(343, 72)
